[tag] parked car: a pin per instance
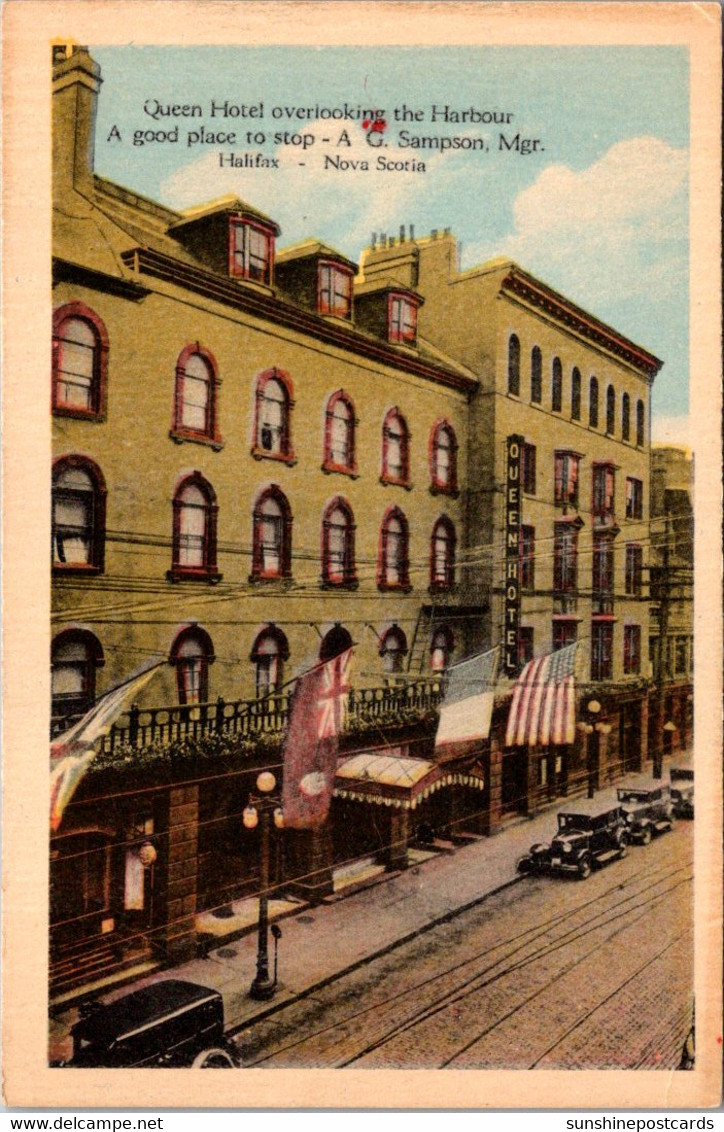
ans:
(169, 1023)
(646, 811)
(682, 791)
(582, 841)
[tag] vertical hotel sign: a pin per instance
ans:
(512, 554)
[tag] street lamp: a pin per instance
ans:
(668, 729)
(593, 731)
(264, 808)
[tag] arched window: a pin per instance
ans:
(557, 386)
(593, 403)
(272, 536)
(625, 417)
(195, 395)
(79, 515)
(75, 656)
(514, 365)
(272, 428)
(395, 448)
(80, 362)
(640, 429)
(536, 376)
(443, 458)
(195, 517)
(270, 651)
(192, 652)
(442, 555)
(393, 649)
(441, 649)
(338, 566)
(575, 394)
(394, 567)
(610, 411)
(339, 426)
(335, 642)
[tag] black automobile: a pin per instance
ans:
(682, 791)
(582, 841)
(170, 1023)
(646, 811)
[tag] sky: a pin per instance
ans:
(599, 210)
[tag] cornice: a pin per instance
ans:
(544, 298)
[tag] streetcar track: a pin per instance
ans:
(528, 938)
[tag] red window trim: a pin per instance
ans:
(448, 583)
(286, 455)
(385, 477)
(561, 527)
(273, 491)
(349, 578)
(180, 431)
(183, 634)
(526, 559)
(209, 571)
(436, 486)
(329, 465)
(404, 582)
(245, 221)
(96, 659)
(346, 271)
(398, 631)
(100, 376)
(270, 630)
(395, 335)
(100, 494)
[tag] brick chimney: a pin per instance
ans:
(76, 82)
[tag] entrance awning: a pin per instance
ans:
(388, 776)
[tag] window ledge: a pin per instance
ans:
(180, 435)
(96, 415)
(444, 489)
(390, 481)
(78, 568)
(270, 579)
(347, 584)
(340, 469)
(394, 587)
(280, 457)
(180, 574)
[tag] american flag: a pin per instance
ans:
(332, 702)
(467, 707)
(543, 707)
(72, 752)
(312, 741)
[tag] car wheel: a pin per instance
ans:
(623, 848)
(525, 865)
(646, 835)
(213, 1059)
(584, 868)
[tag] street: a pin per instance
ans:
(552, 973)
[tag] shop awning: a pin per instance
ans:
(390, 777)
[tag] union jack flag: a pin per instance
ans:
(332, 702)
(543, 708)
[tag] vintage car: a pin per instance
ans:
(169, 1023)
(582, 841)
(682, 791)
(646, 811)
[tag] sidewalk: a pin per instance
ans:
(321, 942)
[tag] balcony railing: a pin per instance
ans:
(139, 727)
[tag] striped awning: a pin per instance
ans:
(389, 777)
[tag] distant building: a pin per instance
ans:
(671, 639)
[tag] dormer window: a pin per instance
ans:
(334, 294)
(402, 320)
(251, 250)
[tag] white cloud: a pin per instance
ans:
(612, 231)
